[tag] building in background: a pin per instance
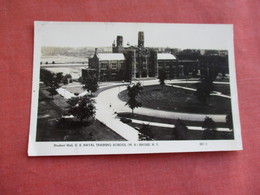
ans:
(133, 62)
(107, 66)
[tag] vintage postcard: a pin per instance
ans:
(128, 88)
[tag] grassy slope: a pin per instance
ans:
(179, 100)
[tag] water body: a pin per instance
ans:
(74, 71)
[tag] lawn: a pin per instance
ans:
(179, 100)
(50, 128)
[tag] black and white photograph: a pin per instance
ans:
(122, 88)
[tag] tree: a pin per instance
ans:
(66, 78)
(162, 77)
(51, 79)
(209, 124)
(210, 129)
(65, 81)
(132, 93)
(52, 90)
(90, 84)
(180, 130)
(204, 89)
(81, 107)
(58, 77)
(46, 77)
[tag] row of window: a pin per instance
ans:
(113, 65)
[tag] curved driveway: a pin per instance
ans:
(110, 97)
(108, 104)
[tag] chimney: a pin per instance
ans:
(95, 51)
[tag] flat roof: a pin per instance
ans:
(120, 56)
(110, 56)
(165, 56)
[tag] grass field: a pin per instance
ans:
(179, 100)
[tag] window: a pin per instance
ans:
(113, 65)
(103, 66)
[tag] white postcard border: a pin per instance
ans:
(126, 147)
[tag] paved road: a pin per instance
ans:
(102, 86)
(214, 93)
(172, 126)
(108, 104)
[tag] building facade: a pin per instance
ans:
(133, 62)
(108, 66)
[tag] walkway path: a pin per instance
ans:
(194, 81)
(215, 93)
(111, 97)
(65, 93)
(108, 104)
(105, 113)
(172, 126)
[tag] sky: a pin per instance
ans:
(100, 34)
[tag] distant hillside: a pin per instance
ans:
(72, 51)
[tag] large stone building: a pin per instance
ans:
(108, 66)
(132, 62)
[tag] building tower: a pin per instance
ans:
(119, 41)
(140, 39)
(113, 46)
(118, 48)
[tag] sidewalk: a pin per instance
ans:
(215, 93)
(108, 105)
(172, 126)
(65, 93)
(108, 116)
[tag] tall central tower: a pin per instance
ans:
(119, 41)
(118, 48)
(140, 39)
